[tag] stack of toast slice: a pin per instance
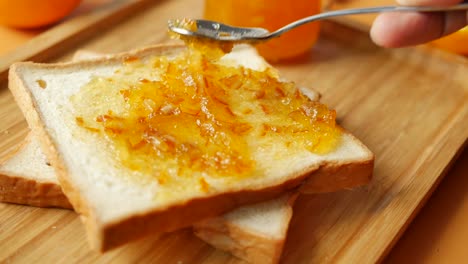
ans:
(248, 218)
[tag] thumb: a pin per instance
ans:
(428, 2)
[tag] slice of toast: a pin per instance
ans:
(115, 211)
(254, 233)
(241, 232)
(27, 178)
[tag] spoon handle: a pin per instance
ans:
(369, 10)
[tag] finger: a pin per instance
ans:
(405, 29)
(428, 2)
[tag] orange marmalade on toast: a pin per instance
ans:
(188, 115)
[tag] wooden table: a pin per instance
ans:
(439, 232)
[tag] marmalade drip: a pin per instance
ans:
(191, 119)
(211, 49)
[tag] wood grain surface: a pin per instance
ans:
(409, 106)
(64, 36)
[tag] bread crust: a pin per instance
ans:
(184, 215)
(23, 190)
(105, 236)
(19, 190)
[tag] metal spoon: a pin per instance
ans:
(222, 32)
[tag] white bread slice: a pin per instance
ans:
(27, 178)
(254, 233)
(114, 216)
(241, 232)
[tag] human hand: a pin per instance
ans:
(405, 29)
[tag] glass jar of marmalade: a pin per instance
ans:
(272, 15)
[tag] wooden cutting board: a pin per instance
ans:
(409, 106)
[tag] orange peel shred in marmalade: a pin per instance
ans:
(189, 115)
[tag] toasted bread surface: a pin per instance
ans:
(108, 226)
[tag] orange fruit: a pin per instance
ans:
(34, 13)
(456, 42)
(272, 15)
